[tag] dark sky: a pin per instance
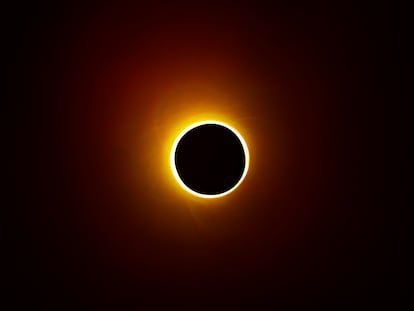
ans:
(309, 226)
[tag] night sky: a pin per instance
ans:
(97, 92)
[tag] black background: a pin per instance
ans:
(321, 237)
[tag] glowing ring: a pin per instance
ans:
(174, 169)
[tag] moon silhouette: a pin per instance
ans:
(209, 159)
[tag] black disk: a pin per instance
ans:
(210, 159)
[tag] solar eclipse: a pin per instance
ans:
(209, 159)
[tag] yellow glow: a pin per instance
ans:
(174, 169)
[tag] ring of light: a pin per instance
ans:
(174, 168)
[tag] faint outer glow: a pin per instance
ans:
(174, 169)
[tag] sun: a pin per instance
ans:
(174, 149)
